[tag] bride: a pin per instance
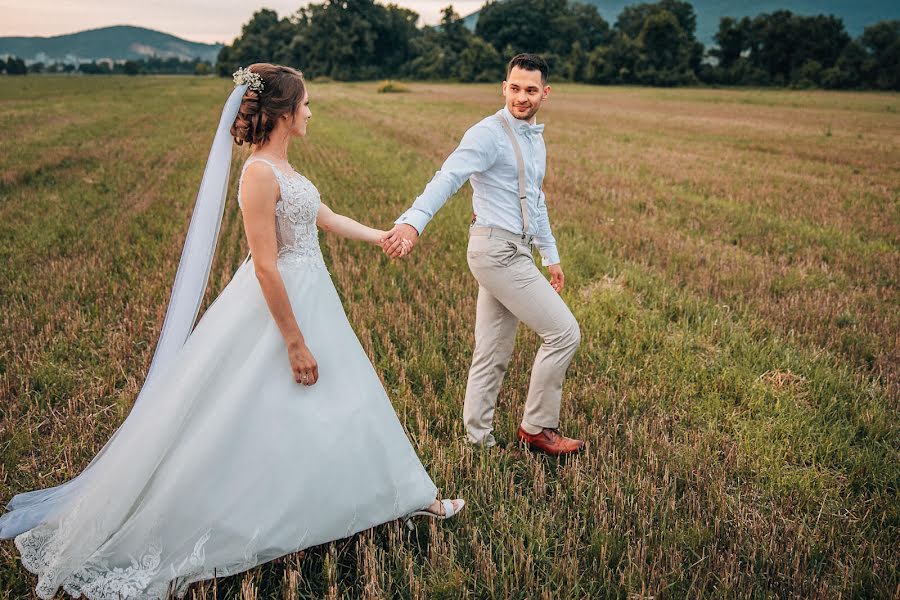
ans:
(262, 431)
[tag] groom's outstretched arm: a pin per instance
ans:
(476, 152)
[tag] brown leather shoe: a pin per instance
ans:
(551, 441)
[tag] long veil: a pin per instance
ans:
(27, 510)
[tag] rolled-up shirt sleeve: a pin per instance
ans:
(543, 237)
(476, 152)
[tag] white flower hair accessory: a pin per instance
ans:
(246, 76)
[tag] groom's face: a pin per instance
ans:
(524, 92)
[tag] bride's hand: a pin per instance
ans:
(405, 248)
(378, 237)
(405, 245)
(303, 364)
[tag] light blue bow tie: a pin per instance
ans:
(528, 129)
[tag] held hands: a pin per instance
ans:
(557, 279)
(399, 241)
(303, 364)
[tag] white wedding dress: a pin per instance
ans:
(227, 462)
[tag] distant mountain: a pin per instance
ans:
(117, 43)
(855, 14)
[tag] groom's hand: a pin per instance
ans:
(557, 279)
(392, 242)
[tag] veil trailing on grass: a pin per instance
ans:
(31, 508)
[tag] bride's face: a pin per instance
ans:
(301, 117)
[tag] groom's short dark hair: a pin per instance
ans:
(529, 62)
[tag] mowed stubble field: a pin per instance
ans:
(732, 256)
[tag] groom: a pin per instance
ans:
(505, 157)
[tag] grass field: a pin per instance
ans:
(732, 256)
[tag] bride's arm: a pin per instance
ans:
(347, 227)
(259, 192)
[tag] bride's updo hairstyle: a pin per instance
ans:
(282, 92)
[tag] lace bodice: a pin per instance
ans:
(295, 216)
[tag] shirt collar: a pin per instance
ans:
(521, 126)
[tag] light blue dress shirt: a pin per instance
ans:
(486, 156)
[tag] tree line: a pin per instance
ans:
(148, 66)
(649, 44)
(786, 49)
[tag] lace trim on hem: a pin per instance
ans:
(37, 549)
(32, 565)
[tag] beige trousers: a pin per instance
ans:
(511, 289)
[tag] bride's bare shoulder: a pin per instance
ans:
(258, 170)
(258, 182)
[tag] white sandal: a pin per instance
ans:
(448, 512)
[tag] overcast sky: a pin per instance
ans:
(195, 20)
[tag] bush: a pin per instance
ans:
(391, 87)
(832, 79)
(809, 75)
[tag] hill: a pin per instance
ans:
(117, 43)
